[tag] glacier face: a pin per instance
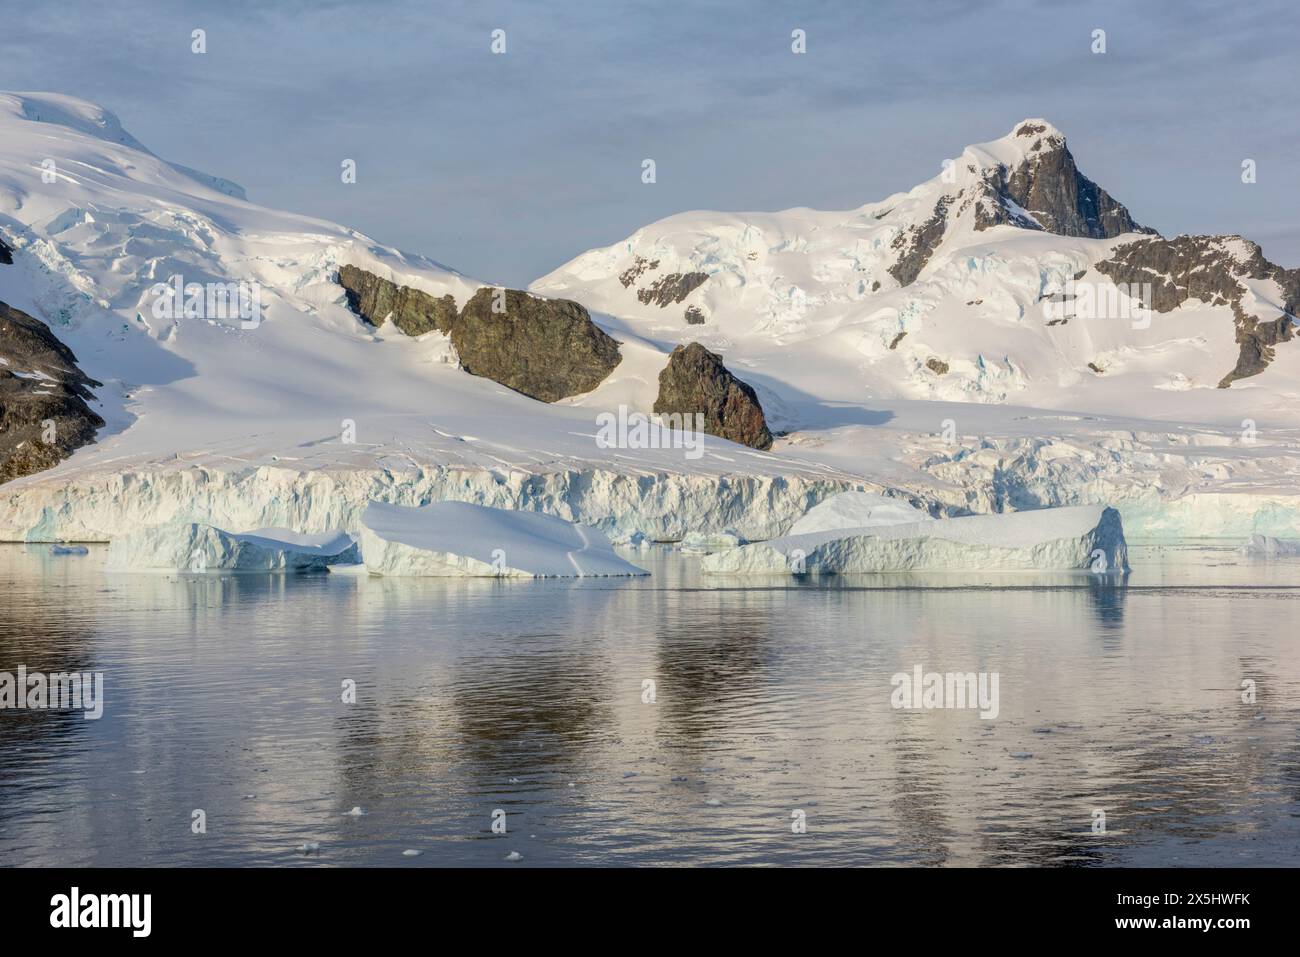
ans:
(1086, 537)
(665, 507)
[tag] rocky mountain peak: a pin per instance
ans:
(1029, 179)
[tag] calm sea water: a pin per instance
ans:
(223, 693)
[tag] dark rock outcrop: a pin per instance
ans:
(671, 288)
(548, 349)
(43, 410)
(696, 381)
(917, 244)
(1049, 187)
(1044, 191)
(694, 316)
(639, 265)
(1210, 269)
(936, 365)
(6, 254)
(414, 312)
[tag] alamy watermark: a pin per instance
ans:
(657, 430)
(217, 301)
(1129, 301)
(61, 691)
(931, 689)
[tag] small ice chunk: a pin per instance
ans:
(702, 543)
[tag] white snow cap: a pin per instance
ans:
(1028, 137)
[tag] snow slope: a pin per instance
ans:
(301, 421)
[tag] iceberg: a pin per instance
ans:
(457, 539)
(857, 510)
(195, 547)
(1087, 537)
(701, 543)
(1266, 546)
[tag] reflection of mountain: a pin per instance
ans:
(46, 636)
(710, 661)
(545, 705)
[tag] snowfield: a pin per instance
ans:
(302, 420)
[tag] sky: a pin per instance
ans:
(504, 166)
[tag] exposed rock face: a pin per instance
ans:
(43, 411)
(666, 290)
(694, 317)
(918, 244)
(1211, 269)
(414, 312)
(548, 349)
(695, 380)
(6, 254)
(936, 365)
(671, 288)
(1044, 191)
(1049, 187)
(633, 272)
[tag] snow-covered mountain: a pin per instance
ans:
(306, 414)
(994, 281)
(902, 347)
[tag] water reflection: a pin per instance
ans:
(225, 693)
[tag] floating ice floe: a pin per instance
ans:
(1088, 537)
(857, 510)
(701, 543)
(194, 547)
(69, 550)
(457, 539)
(1266, 546)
